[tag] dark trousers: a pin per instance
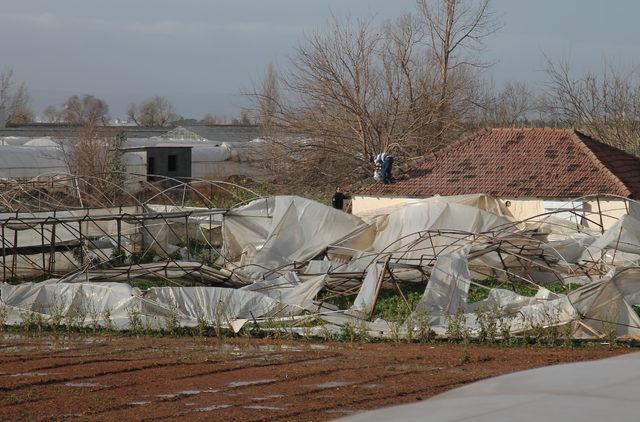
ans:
(387, 163)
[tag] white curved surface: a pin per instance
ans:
(604, 390)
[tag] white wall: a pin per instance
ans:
(362, 204)
(611, 211)
(521, 208)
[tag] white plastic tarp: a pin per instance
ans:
(281, 230)
(398, 231)
(607, 305)
(447, 292)
(447, 289)
(213, 303)
(52, 299)
(289, 290)
(365, 300)
(118, 305)
(623, 239)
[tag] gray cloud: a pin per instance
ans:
(201, 53)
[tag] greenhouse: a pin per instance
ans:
(203, 252)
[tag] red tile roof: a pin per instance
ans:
(513, 163)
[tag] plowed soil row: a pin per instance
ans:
(149, 378)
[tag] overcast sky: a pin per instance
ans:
(202, 53)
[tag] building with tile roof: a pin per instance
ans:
(535, 169)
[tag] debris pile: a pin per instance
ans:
(289, 263)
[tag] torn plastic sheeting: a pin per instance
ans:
(480, 201)
(288, 290)
(368, 293)
(448, 287)
(168, 270)
(246, 227)
(608, 305)
(282, 230)
(510, 302)
(68, 224)
(622, 238)
(542, 313)
(403, 227)
(571, 249)
(61, 300)
(116, 305)
(447, 292)
(556, 227)
(213, 303)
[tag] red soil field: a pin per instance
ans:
(239, 379)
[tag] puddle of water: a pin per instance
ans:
(269, 397)
(330, 384)
(30, 374)
(318, 346)
(82, 384)
(290, 348)
(183, 393)
(139, 403)
(212, 408)
(188, 392)
(258, 407)
(229, 348)
(236, 384)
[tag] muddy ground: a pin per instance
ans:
(151, 378)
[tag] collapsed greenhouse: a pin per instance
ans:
(85, 252)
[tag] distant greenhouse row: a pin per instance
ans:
(198, 152)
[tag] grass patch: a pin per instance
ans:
(199, 251)
(478, 293)
(389, 306)
(392, 307)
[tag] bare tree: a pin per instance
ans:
(15, 99)
(155, 111)
(85, 110)
(95, 154)
(354, 90)
(511, 106)
(268, 101)
(332, 88)
(211, 119)
(605, 105)
(455, 31)
(52, 115)
(244, 118)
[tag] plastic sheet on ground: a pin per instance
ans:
(119, 306)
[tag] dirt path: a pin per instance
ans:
(126, 378)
